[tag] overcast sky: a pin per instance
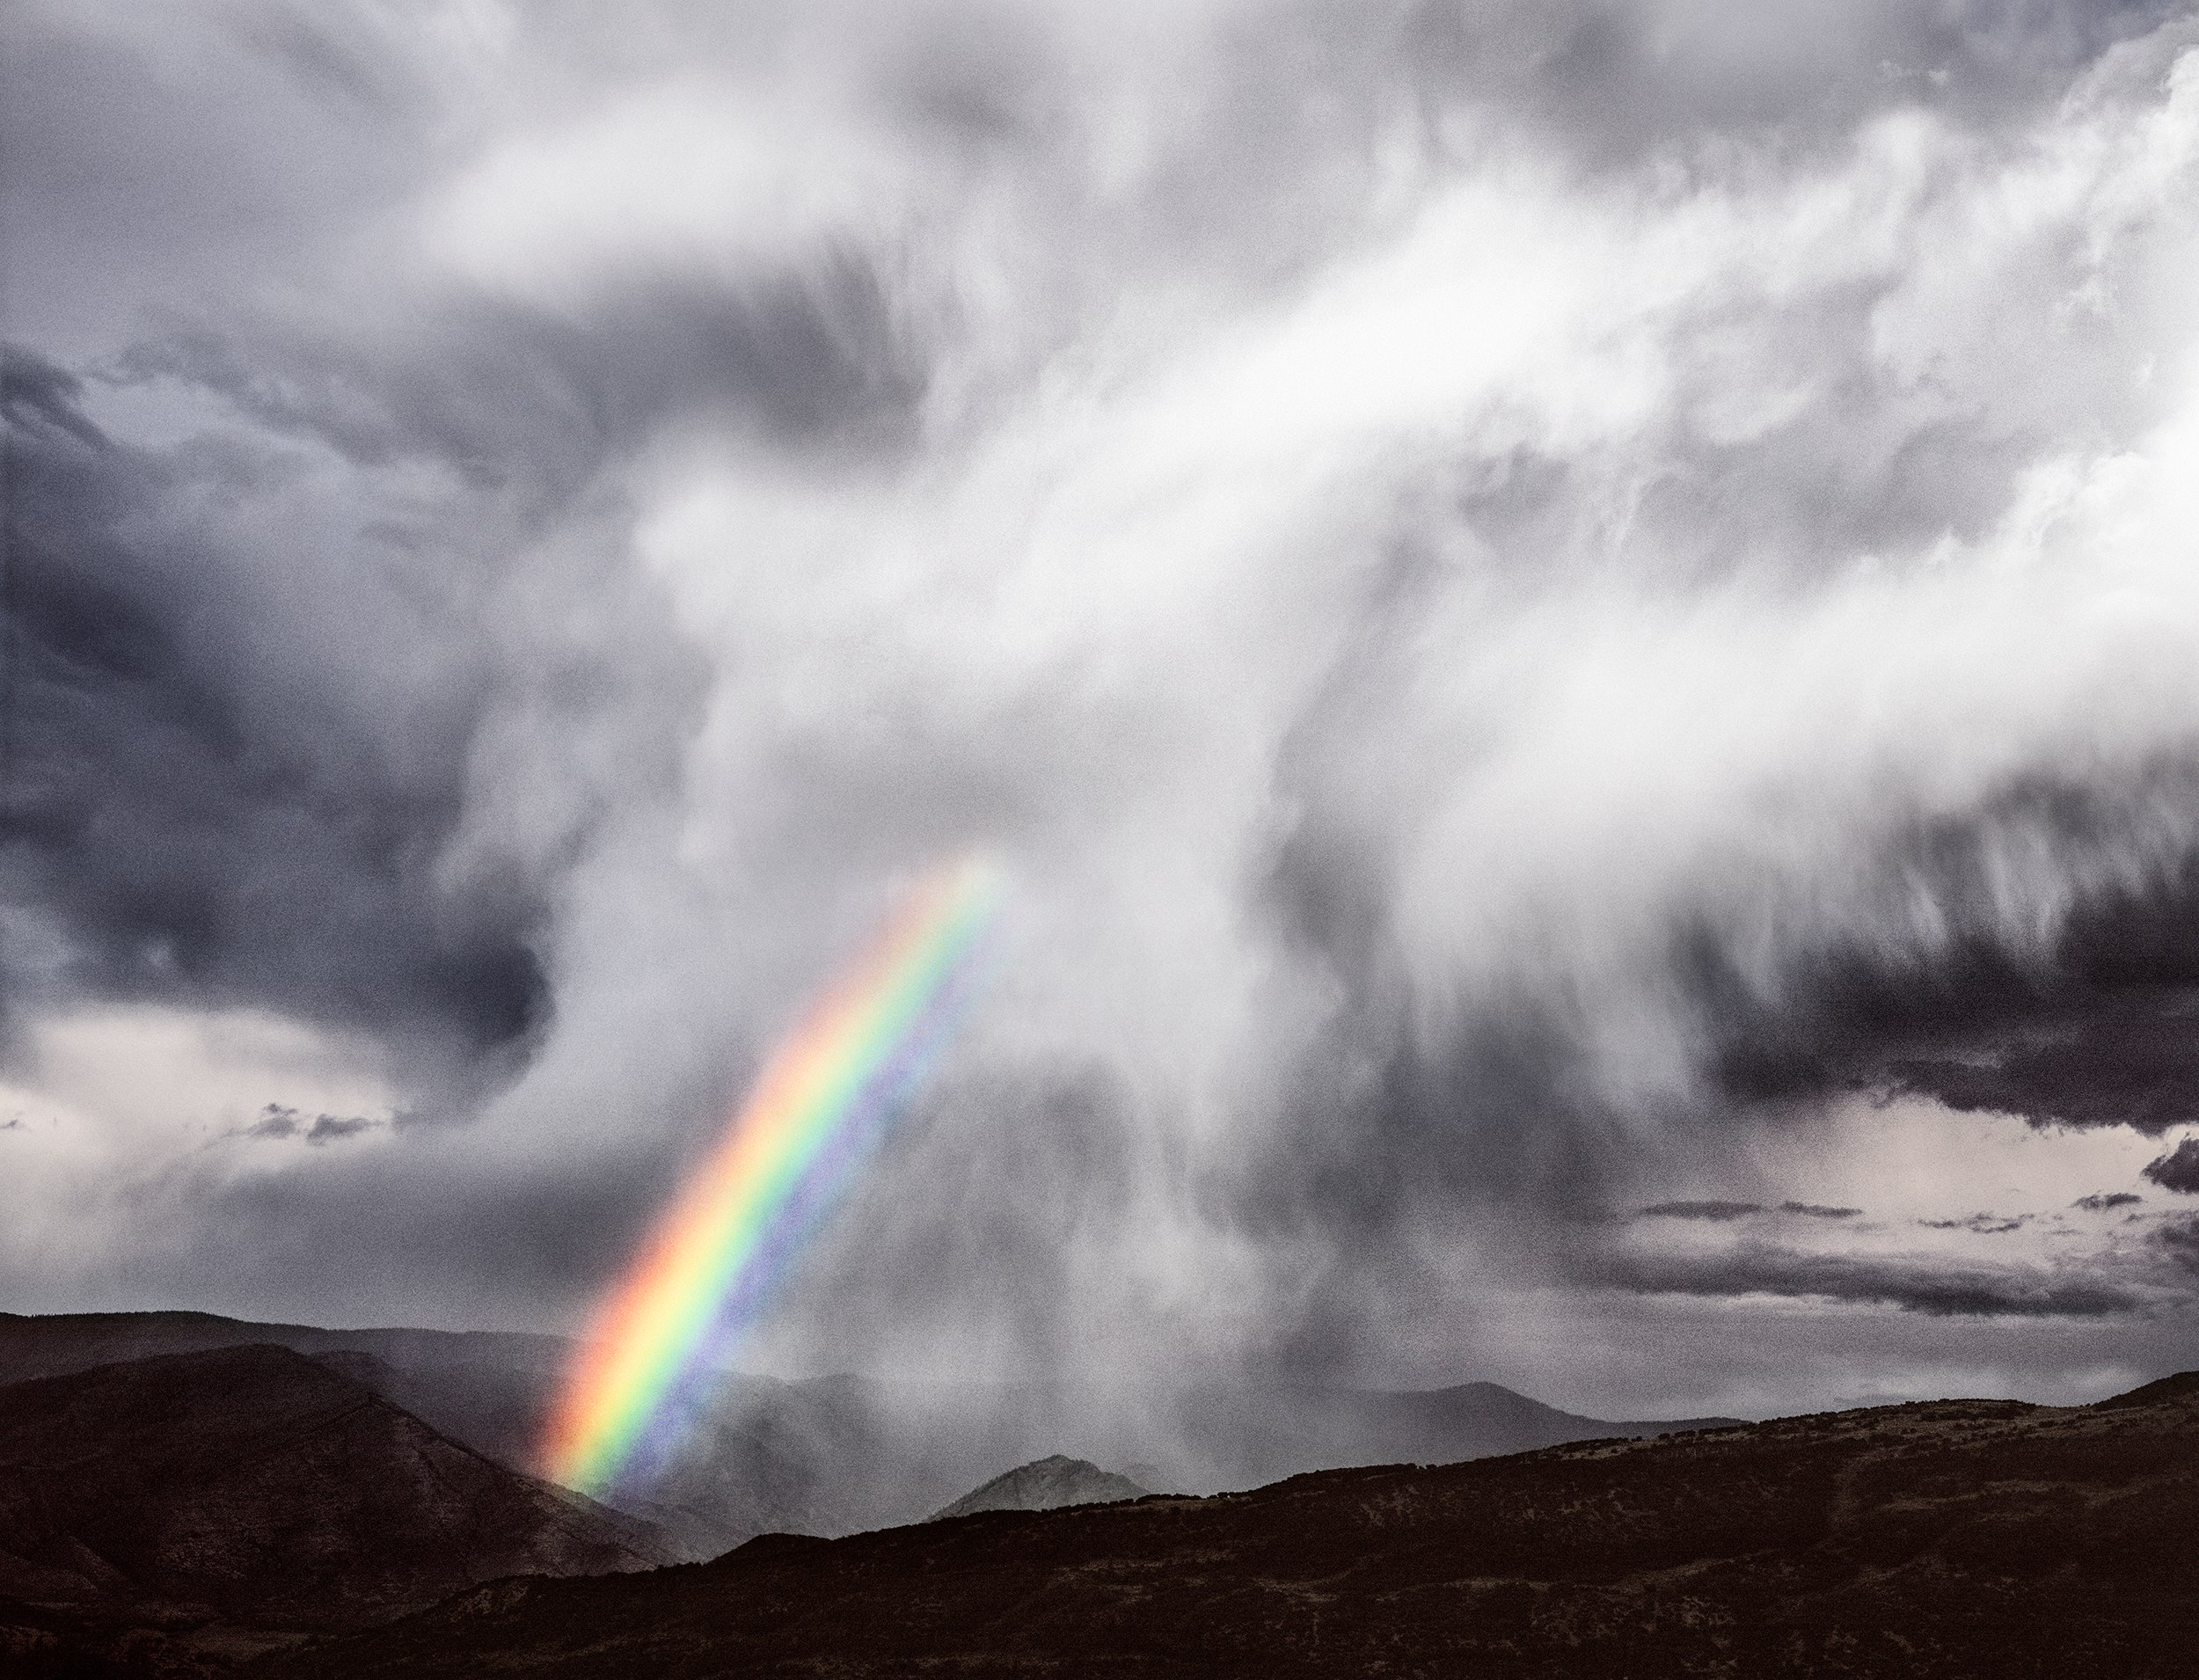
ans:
(1578, 622)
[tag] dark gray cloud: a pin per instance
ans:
(1716, 1212)
(2091, 1030)
(278, 1120)
(2178, 1170)
(2101, 1201)
(1913, 1285)
(2115, 1065)
(2178, 1239)
(521, 522)
(200, 820)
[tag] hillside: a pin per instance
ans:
(1958, 1540)
(487, 1389)
(209, 1499)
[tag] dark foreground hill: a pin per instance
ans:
(1983, 1540)
(835, 1454)
(194, 1504)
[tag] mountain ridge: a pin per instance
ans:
(1947, 1540)
(841, 1454)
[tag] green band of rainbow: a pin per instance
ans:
(735, 1223)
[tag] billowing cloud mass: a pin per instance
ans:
(1578, 623)
(2179, 1169)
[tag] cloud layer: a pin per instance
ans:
(1554, 606)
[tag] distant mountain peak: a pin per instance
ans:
(1045, 1484)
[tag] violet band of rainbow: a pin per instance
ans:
(731, 1230)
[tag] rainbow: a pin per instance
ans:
(726, 1239)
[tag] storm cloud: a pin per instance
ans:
(1557, 609)
(197, 803)
(2179, 1169)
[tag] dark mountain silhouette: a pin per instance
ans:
(836, 1455)
(189, 1505)
(488, 1388)
(1044, 1485)
(1955, 1540)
